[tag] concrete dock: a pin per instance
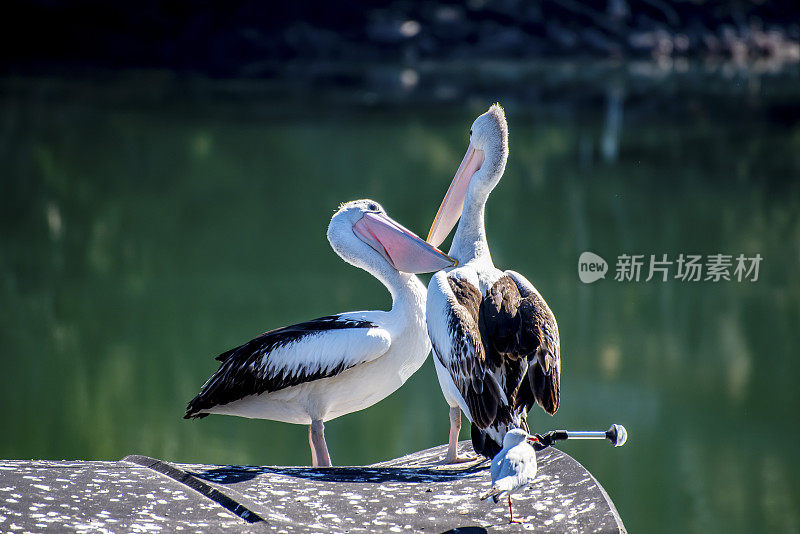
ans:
(411, 493)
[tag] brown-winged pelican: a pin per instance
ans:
(495, 341)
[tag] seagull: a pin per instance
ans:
(312, 372)
(495, 340)
(513, 468)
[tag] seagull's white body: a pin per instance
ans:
(513, 468)
(315, 371)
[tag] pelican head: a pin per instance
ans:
(480, 171)
(363, 235)
(515, 436)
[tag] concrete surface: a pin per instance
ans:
(412, 493)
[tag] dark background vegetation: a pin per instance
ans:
(255, 38)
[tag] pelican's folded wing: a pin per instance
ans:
(452, 318)
(538, 339)
(290, 356)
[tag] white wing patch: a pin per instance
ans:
(324, 352)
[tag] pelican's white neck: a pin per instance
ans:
(469, 241)
(405, 288)
(489, 134)
(408, 293)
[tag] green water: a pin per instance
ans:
(143, 231)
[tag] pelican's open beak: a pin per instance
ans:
(402, 248)
(453, 203)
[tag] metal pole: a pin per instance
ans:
(585, 434)
(617, 435)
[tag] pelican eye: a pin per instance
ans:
(470, 133)
(373, 207)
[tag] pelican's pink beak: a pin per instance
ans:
(402, 248)
(450, 210)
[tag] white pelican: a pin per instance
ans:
(513, 468)
(316, 371)
(495, 341)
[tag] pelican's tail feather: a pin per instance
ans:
(484, 444)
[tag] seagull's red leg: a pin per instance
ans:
(511, 511)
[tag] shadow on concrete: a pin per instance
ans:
(235, 474)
